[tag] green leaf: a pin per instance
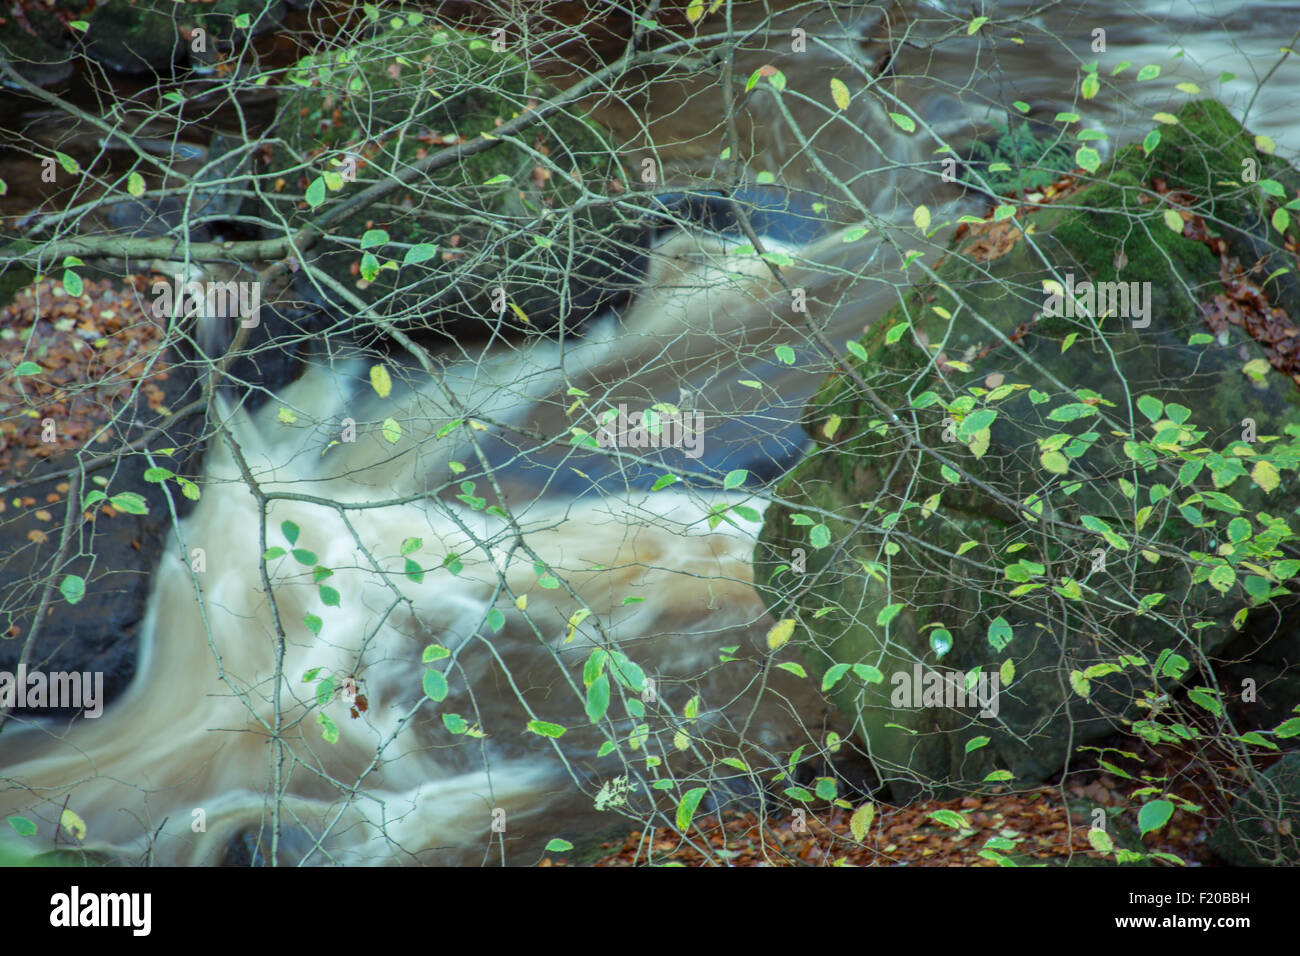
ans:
(69, 164)
(1149, 72)
(455, 723)
(313, 622)
(545, 729)
(1288, 728)
(785, 354)
(1151, 142)
(598, 698)
(1091, 86)
(686, 809)
(391, 431)
(1100, 840)
(793, 668)
(905, 123)
(329, 730)
(833, 675)
(22, 826)
(135, 184)
(1087, 157)
(129, 502)
(325, 690)
(839, 94)
(1154, 815)
(303, 556)
(434, 652)
(411, 545)
(735, 479)
(975, 743)
(329, 596)
(73, 589)
(558, 846)
(420, 253)
(861, 821)
(950, 818)
(887, 614)
(999, 634)
(290, 531)
(1207, 699)
(819, 536)
(435, 684)
(27, 368)
(316, 192)
(380, 380)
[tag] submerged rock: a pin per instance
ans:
(1156, 462)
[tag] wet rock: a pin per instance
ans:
(1130, 433)
(1263, 826)
(489, 220)
(134, 37)
(114, 554)
(35, 44)
(153, 37)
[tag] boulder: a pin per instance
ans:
(500, 218)
(1112, 496)
(1263, 823)
(153, 36)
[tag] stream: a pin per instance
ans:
(192, 738)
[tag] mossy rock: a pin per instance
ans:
(1089, 422)
(1263, 828)
(500, 218)
(144, 36)
(40, 55)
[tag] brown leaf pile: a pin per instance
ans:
(93, 349)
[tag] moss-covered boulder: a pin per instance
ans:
(1263, 823)
(35, 45)
(152, 36)
(1108, 493)
(528, 215)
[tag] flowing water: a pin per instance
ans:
(216, 689)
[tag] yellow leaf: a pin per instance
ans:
(1265, 144)
(286, 416)
(391, 431)
(695, 10)
(477, 426)
(521, 602)
(579, 616)
(73, 824)
(831, 427)
(861, 820)
(1265, 475)
(380, 381)
(921, 216)
(1256, 369)
(840, 94)
(780, 633)
(1174, 221)
(519, 312)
